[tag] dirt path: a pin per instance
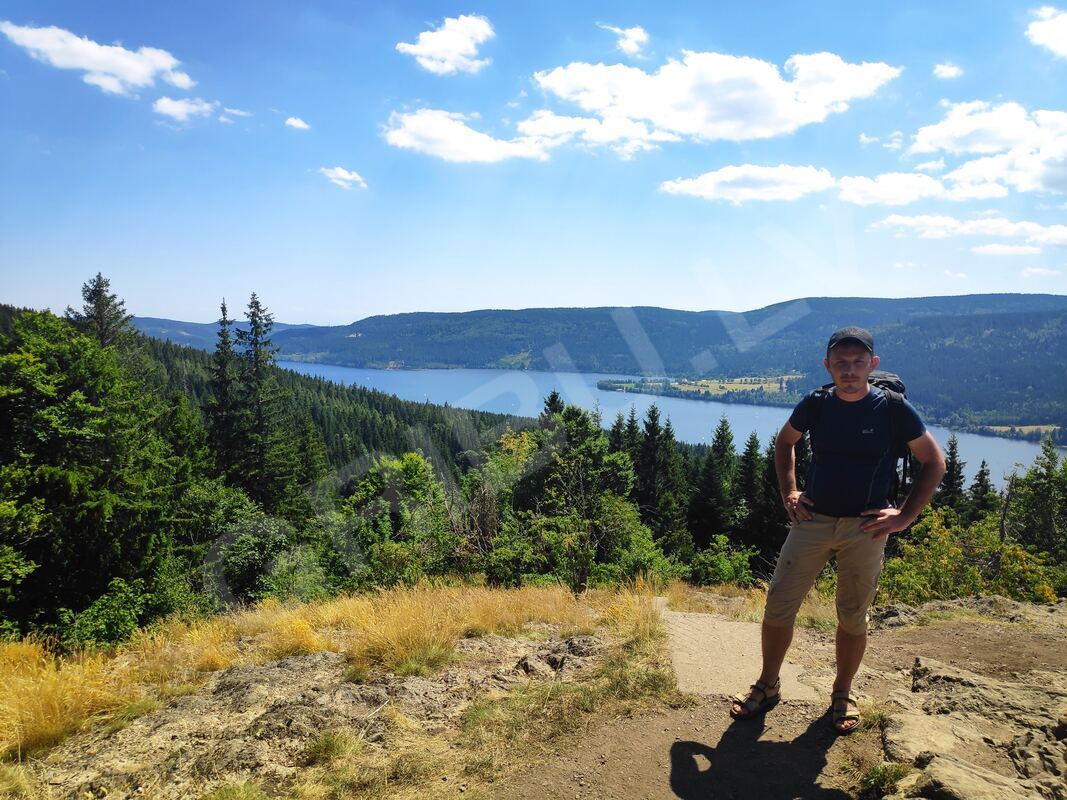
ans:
(978, 710)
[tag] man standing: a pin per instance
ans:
(845, 511)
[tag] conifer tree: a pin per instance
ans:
(746, 490)
(632, 436)
(982, 497)
(722, 449)
(225, 411)
(103, 315)
(951, 491)
(617, 434)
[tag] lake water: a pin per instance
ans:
(523, 393)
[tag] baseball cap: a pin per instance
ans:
(851, 334)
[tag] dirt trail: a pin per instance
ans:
(978, 709)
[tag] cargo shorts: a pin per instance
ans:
(807, 548)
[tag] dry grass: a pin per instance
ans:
(45, 697)
(818, 610)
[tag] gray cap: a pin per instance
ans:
(851, 334)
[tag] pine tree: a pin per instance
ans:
(103, 315)
(268, 462)
(226, 415)
(554, 406)
(722, 449)
(951, 491)
(632, 436)
(746, 489)
(709, 506)
(647, 467)
(671, 499)
(617, 434)
(982, 498)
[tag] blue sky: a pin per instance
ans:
(344, 160)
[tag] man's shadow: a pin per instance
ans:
(742, 766)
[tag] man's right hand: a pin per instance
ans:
(798, 507)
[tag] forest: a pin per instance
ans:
(141, 479)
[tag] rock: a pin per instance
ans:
(910, 735)
(946, 778)
(534, 667)
(893, 616)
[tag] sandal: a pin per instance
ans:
(840, 715)
(755, 707)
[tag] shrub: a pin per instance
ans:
(720, 563)
(111, 618)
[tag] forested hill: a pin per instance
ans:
(992, 359)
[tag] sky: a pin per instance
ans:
(347, 159)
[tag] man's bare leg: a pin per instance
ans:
(850, 649)
(775, 641)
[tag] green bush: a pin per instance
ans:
(247, 560)
(296, 575)
(720, 563)
(111, 618)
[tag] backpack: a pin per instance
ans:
(896, 391)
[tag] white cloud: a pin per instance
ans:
(446, 135)
(952, 274)
(236, 112)
(713, 96)
(943, 227)
(631, 40)
(738, 184)
(1039, 272)
(109, 67)
(894, 141)
(1021, 150)
(904, 265)
(453, 47)
(185, 108)
(865, 139)
(1006, 249)
(931, 166)
(889, 189)
(624, 136)
(1049, 30)
(947, 71)
(299, 124)
(344, 178)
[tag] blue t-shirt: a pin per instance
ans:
(852, 461)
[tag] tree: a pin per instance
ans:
(722, 450)
(553, 406)
(982, 498)
(951, 492)
(103, 315)
(268, 458)
(225, 411)
(87, 475)
(745, 493)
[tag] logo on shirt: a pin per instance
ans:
(868, 430)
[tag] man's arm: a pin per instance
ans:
(796, 502)
(890, 520)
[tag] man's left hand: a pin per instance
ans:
(884, 521)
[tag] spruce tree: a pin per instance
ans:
(648, 466)
(267, 460)
(671, 499)
(745, 492)
(617, 434)
(982, 498)
(722, 449)
(632, 436)
(554, 406)
(950, 493)
(103, 315)
(226, 414)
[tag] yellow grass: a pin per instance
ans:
(45, 697)
(817, 611)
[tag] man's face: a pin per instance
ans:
(849, 364)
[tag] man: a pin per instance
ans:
(844, 510)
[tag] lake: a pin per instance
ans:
(523, 393)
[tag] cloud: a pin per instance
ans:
(889, 189)
(904, 265)
(894, 141)
(446, 135)
(1006, 249)
(947, 71)
(714, 96)
(1039, 272)
(1021, 150)
(865, 139)
(631, 40)
(1049, 30)
(344, 178)
(625, 136)
(110, 67)
(943, 227)
(952, 274)
(299, 124)
(453, 47)
(931, 166)
(236, 112)
(738, 184)
(185, 108)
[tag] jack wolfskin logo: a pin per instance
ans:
(868, 430)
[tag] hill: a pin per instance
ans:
(964, 357)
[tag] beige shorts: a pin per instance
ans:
(806, 550)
